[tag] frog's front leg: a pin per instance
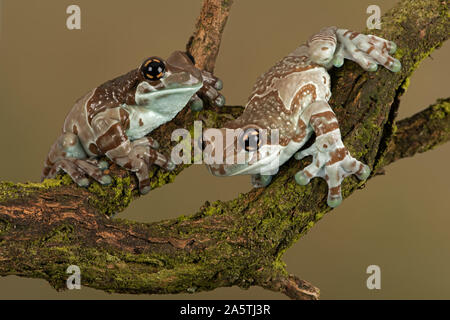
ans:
(138, 159)
(331, 159)
(136, 156)
(209, 92)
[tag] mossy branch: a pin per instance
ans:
(421, 132)
(46, 227)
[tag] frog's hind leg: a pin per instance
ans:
(101, 164)
(78, 170)
(385, 46)
(93, 171)
(368, 51)
(71, 169)
(67, 155)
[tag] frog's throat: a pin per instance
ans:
(156, 108)
(268, 164)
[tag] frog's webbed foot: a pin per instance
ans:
(67, 155)
(80, 169)
(140, 157)
(209, 92)
(330, 158)
(367, 50)
(332, 164)
(153, 157)
(260, 181)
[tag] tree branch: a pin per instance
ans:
(421, 132)
(204, 45)
(46, 227)
(293, 287)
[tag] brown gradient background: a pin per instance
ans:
(400, 221)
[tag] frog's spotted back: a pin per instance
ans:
(112, 93)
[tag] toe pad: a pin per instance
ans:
(301, 178)
(333, 203)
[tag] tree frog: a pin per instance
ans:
(114, 119)
(292, 98)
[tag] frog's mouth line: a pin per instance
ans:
(175, 88)
(175, 98)
(268, 163)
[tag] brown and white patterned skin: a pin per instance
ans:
(292, 97)
(113, 120)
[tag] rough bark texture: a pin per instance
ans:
(46, 227)
(421, 132)
(204, 45)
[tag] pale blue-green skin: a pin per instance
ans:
(76, 151)
(157, 107)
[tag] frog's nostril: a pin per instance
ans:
(177, 80)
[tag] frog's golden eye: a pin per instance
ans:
(250, 140)
(153, 68)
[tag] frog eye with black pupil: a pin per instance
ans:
(250, 140)
(153, 69)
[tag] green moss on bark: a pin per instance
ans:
(239, 242)
(114, 198)
(11, 191)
